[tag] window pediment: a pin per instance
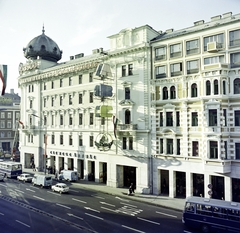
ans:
(126, 102)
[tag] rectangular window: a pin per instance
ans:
(70, 81)
(45, 120)
(53, 139)
(225, 117)
(161, 72)
(235, 60)
(52, 84)
(194, 119)
(219, 39)
(160, 53)
(44, 102)
(9, 115)
(161, 119)
(91, 141)
(237, 151)
(127, 93)
(80, 98)
(161, 146)
(237, 117)
(70, 100)
(130, 143)
(192, 47)
(70, 140)
(226, 150)
(80, 140)
(169, 119)
(170, 146)
(91, 119)
(80, 118)
(44, 86)
(2, 114)
(213, 150)
(91, 77)
(9, 134)
(176, 69)
(192, 67)
(91, 97)
(61, 139)
(212, 117)
(70, 119)
(177, 118)
(124, 71)
(31, 104)
(124, 145)
(176, 50)
(195, 148)
(80, 79)
(9, 124)
(234, 37)
(61, 100)
(214, 60)
(130, 69)
(61, 82)
(178, 146)
(61, 119)
(52, 101)
(52, 121)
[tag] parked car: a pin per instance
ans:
(25, 177)
(60, 187)
(42, 180)
(2, 176)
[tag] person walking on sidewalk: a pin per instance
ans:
(131, 189)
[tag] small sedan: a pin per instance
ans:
(25, 177)
(60, 187)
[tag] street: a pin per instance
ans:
(28, 208)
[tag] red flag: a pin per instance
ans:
(20, 122)
(3, 78)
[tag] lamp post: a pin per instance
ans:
(45, 145)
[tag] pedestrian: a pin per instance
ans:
(131, 189)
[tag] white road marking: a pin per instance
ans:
(149, 221)
(1, 213)
(79, 200)
(54, 193)
(166, 214)
(108, 209)
(22, 223)
(3, 185)
(30, 190)
(88, 208)
(94, 216)
(39, 198)
(98, 197)
(63, 206)
(20, 191)
(122, 199)
(72, 215)
(128, 204)
(132, 229)
(104, 203)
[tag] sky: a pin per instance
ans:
(79, 26)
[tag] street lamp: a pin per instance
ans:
(45, 146)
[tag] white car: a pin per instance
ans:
(25, 177)
(60, 187)
(2, 177)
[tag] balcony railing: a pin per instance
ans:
(127, 127)
(218, 166)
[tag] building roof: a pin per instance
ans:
(44, 47)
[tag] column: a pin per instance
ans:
(228, 188)
(189, 184)
(172, 184)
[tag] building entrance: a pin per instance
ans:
(103, 173)
(180, 184)
(91, 170)
(217, 187)
(80, 169)
(164, 174)
(198, 185)
(129, 176)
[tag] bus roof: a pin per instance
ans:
(10, 162)
(214, 202)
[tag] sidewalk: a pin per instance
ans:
(164, 201)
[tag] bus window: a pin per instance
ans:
(190, 207)
(233, 215)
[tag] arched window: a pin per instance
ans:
(215, 87)
(127, 116)
(172, 93)
(165, 93)
(208, 88)
(236, 86)
(194, 90)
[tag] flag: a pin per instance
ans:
(20, 122)
(115, 121)
(3, 78)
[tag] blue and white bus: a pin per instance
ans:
(212, 215)
(11, 169)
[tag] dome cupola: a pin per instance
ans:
(44, 47)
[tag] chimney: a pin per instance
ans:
(217, 17)
(227, 15)
(200, 22)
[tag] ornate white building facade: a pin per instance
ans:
(63, 125)
(195, 110)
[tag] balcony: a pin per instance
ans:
(216, 66)
(29, 128)
(218, 166)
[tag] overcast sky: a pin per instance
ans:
(79, 26)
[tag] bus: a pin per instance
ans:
(11, 169)
(212, 215)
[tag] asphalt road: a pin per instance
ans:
(28, 208)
